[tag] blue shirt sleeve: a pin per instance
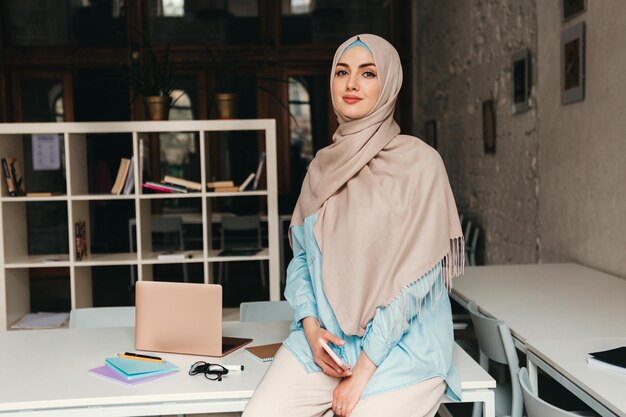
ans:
(392, 321)
(299, 288)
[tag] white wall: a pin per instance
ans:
(555, 191)
(465, 50)
(582, 152)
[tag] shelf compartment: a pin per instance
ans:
(34, 228)
(85, 151)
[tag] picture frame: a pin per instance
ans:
(521, 81)
(572, 8)
(573, 64)
(430, 133)
(489, 126)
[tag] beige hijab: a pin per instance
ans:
(386, 213)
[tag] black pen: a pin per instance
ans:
(131, 355)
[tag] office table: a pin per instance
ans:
(564, 303)
(565, 360)
(544, 300)
(44, 373)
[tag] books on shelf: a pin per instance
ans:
(220, 184)
(190, 185)
(43, 193)
(613, 359)
(80, 236)
(129, 184)
(246, 182)
(13, 177)
(160, 187)
(120, 180)
(259, 168)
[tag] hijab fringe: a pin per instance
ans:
(404, 309)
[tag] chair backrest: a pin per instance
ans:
(496, 343)
(102, 317)
(170, 225)
(265, 311)
(535, 406)
(241, 232)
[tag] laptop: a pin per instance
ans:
(180, 317)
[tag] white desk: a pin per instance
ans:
(44, 373)
(565, 360)
(544, 300)
(562, 303)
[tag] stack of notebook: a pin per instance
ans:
(133, 371)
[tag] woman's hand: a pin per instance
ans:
(313, 333)
(348, 392)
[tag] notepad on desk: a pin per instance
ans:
(613, 359)
(265, 353)
(109, 373)
(133, 368)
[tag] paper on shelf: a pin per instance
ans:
(41, 321)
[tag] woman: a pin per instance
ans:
(376, 240)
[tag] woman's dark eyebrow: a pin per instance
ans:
(369, 64)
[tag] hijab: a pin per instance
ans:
(385, 211)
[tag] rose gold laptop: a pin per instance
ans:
(181, 318)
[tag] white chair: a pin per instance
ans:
(241, 233)
(496, 343)
(471, 241)
(102, 317)
(536, 407)
(265, 311)
(169, 226)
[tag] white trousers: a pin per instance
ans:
(288, 390)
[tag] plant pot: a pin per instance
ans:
(226, 105)
(157, 107)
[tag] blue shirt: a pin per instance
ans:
(416, 348)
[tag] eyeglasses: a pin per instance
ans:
(211, 371)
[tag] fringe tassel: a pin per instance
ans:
(452, 265)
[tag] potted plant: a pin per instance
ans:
(229, 83)
(153, 79)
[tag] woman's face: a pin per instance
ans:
(355, 86)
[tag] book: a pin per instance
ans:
(113, 375)
(133, 368)
(16, 175)
(246, 182)
(163, 188)
(265, 353)
(218, 184)
(120, 180)
(225, 189)
(80, 236)
(259, 168)
(129, 184)
(8, 178)
(192, 185)
(173, 256)
(43, 193)
(613, 359)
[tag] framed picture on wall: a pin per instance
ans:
(430, 133)
(521, 81)
(489, 126)
(573, 64)
(572, 8)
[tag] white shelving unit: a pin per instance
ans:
(15, 261)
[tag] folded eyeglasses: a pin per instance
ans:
(211, 371)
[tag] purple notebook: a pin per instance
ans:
(108, 373)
